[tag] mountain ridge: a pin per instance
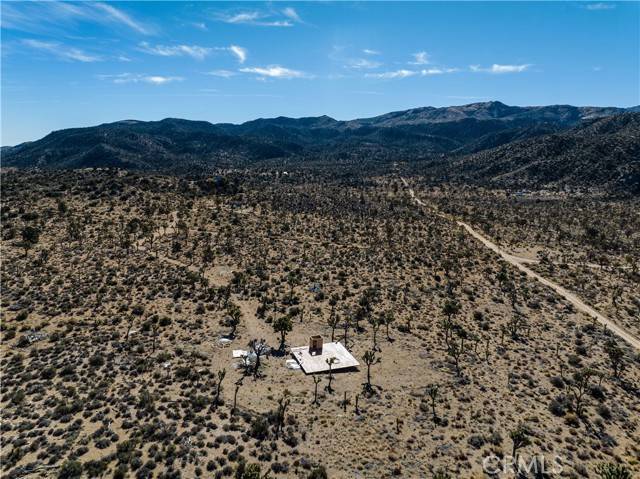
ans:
(444, 134)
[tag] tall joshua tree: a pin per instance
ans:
(330, 361)
(283, 325)
(520, 439)
(259, 348)
(221, 374)
(432, 392)
(316, 381)
(234, 318)
(369, 359)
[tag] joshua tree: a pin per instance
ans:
(234, 318)
(616, 357)
(389, 319)
(432, 391)
(258, 347)
(330, 361)
(283, 404)
(155, 325)
(316, 381)
(515, 325)
(369, 359)
(578, 387)
(375, 327)
(346, 324)
(283, 325)
(238, 384)
(520, 438)
(451, 308)
(456, 350)
(366, 303)
(333, 321)
(447, 326)
(221, 374)
(293, 279)
(30, 237)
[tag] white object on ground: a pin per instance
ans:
(238, 353)
(292, 364)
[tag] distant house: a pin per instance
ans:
(313, 358)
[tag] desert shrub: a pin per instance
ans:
(318, 472)
(252, 471)
(613, 471)
(259, 428)
(476, 441)
(557, 381)
(597, 392)
(572, 420)
(557, 407)
(96, 361)
(70, 470)
(604, 411)
(95, 468)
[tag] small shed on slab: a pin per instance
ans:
(313, 358)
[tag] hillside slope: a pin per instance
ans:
(603, 152)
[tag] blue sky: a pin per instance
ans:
(79, 64)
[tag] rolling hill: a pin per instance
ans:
(601, 153)
(491, 137)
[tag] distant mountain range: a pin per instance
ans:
(463, 135)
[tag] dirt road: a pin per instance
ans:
(520, 264)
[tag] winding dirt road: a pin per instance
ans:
(520, 264)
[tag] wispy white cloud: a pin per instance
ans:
(362, 63)
(600, 6)
(392, 74)
(437, 71)
(286, 17)
(275, 71)
(222, 73)
(194, 51)
(403, 73)
(420, 58)
(140, 78)
(239, 52)
(62, 51)
(57, 17)
(254, 18)
(499, 69)
(291, 14)
(339, 54)
(121, 17)
(200, 26)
